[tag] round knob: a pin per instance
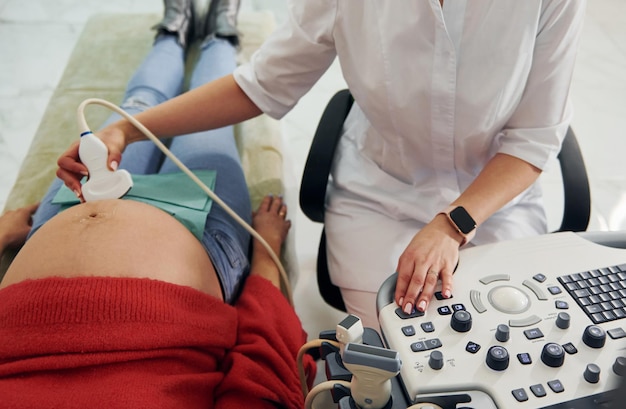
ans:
(461, 321)
(502, 333)
(436, 360)
(619, 366)
(553, 355)
(563, 320)
(592, 373)
(594, 336)
(498, 358)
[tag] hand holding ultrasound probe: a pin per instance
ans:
(103, 183)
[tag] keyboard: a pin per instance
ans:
(601, 293)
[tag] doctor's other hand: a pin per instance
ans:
(71, 170)
(431, 255)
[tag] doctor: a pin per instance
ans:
(459, 106)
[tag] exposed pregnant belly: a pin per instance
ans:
(115, 238)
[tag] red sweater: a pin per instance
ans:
(140, 343)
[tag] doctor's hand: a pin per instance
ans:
(71, 170)
(431, 255)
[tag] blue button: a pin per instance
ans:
(525, 358)
(445, 310)
(561, 305)
(472, 347)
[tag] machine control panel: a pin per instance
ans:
(531, 324)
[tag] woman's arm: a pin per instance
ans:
(214, 105)
(436, 247)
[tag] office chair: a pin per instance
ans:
(577, 198)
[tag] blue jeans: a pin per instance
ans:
(159, 78)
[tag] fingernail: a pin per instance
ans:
(401, 301)
(447, 294)
(77, 193)
(84, 173)
(422, 305)
(408, 308)
(114, 165)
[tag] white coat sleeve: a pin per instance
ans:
(293, 58)
(538, 126)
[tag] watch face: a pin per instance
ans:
(463, 220)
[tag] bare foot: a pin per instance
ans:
(270, 222)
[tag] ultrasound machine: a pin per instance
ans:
(532, 323)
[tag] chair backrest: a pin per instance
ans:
(577, 198)
(576, 193)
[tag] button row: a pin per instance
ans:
(538, 390)
(409, 330)
(427, 345)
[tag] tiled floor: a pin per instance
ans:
(37, 37)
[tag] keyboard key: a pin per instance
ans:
(520, 395)
(593, 309)
(570, 348)
(556, 386)
(617, 333)
(593, 282)
(594, 273)
(538, 390)
(582, 293)
(598, 318)
(533, 333)
(427, 326)
(561, 305)
(609, 315)
(524, 358)
(472, 347)
(445, 310)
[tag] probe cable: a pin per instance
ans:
(82, 123)
(316, 343)
(322, 387)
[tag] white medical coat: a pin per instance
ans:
(438, 92)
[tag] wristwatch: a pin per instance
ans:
(462, 222)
